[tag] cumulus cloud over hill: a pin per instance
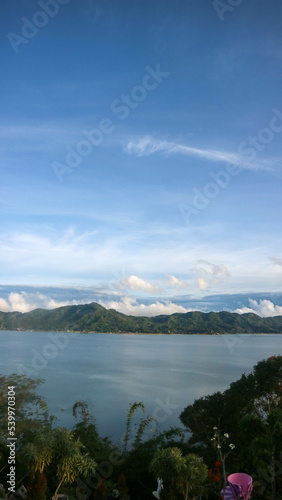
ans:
(24, 302)
(264, 308)
(130, 306)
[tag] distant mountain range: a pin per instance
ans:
(95, 318)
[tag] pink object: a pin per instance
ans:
(241, 485)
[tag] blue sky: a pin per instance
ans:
(141, 155)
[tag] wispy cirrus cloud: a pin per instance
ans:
(147, 146)
(88, 258)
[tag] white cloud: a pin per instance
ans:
(176, 282)
(210, 274)
(48, 257)
(66, 254)
(24, 302)
(129, 306)
(147, 146)
(275, 261)
(202, 283)
(264, 308)
(135, 283)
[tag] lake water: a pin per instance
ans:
(110, 371)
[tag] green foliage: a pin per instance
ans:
(187, 473)
(82, 407)
(168, 463)
(31, 408)
(251, 410)
(38, 453)
(31, 415)
(247, 395)
(143, 446)
(194, 475)
(95, 318)
(86, 430)
(60, 447)
(69, 456)
(132, 410)
(145, 422)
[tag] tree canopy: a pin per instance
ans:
(237, 430)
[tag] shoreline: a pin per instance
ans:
(138, 333)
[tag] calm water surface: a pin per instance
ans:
(109, 371)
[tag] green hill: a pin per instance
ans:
(95, 318)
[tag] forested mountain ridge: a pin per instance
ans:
(95, 318)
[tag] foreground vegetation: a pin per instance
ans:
(95, 318)
(237, 430)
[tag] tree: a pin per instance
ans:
(264, 449)
(70, 459)
(140, 442)
(39, 453)
(86, 430)
(128, 431)
(187, 473)
(31, 414)
(59, 447)
(31, 408)
(252, 410)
